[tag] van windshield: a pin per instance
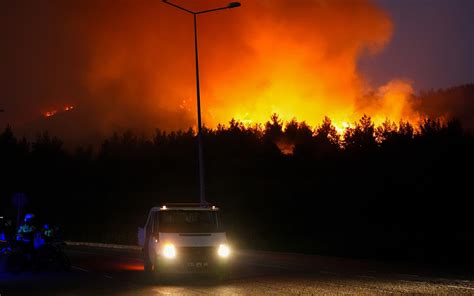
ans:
(188, 221)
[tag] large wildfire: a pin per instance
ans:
(130, 64)
(296, 59)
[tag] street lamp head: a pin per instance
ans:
(233, 5)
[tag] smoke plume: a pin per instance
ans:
(130, 64)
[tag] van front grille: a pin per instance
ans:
(197, 253)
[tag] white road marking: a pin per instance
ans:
(107, 254)
(80, 268)
(88, 271)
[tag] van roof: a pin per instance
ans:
(186, 207)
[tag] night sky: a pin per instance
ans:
(432, 44)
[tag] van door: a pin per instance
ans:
(150, 237)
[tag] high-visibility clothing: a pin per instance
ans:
(48, 232)
(26, 229)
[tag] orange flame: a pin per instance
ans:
(55, 111)
(50, 113)
(298, 61)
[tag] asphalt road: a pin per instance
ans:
(119, 272)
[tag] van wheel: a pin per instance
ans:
(147, 265)
(156, 269)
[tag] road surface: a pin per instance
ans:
(119, 272)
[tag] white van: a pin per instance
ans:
(184, 238)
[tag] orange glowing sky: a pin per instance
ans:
(130, 64)
(298, 61)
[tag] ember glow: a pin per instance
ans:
(50, 113)
(55, 111)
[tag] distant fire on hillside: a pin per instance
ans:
(54, 112)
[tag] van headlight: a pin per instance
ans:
(169, 251)
(223, 251)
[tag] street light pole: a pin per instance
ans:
(202, 193)
(202, 196)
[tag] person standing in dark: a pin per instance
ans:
(48, 233)
(26, 232)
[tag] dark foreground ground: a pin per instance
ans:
(119, 272)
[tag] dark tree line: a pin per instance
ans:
(394, 190)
